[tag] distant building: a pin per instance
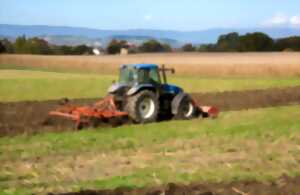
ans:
(124, 51)
(128, 48)
(98, 51)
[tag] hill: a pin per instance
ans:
(72, 35)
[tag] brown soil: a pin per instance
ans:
(240, 100)
(284, 185)
(32, 116)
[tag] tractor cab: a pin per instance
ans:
(139, 74)
(136, 77)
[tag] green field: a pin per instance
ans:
(260, 144)
(17, 85)
(232, 147)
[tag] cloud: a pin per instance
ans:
(282, 20)
(295, 20)
(148, 17)
(276, 20)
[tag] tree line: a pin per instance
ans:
(250, 42)
(35, 45)
(152, 45)
(231, 42)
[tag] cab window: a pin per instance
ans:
(149, 76)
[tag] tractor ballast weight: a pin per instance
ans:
(142, 97)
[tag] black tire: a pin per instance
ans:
(186, 109)
(136, 103)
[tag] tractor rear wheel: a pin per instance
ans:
(143, 107)
(186, 109)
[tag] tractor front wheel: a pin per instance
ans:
(143, 107)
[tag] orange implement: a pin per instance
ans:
(101, 110)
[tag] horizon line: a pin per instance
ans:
(155, 29)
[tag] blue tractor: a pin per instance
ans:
(143, 92)
(141, 95)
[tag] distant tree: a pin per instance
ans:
(228, 42)
(151, 46)
(289, 43)
(188, 47)
(115, 46)
(233, 42)
(2, 48)
(207, 48)
(255, 42)
(65, 50)
(81, 49)
(167, 47)
(8, 46)
(56, 49)
(37, 46)
(20, 45)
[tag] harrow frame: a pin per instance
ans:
(102, 110)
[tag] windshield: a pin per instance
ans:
(127, 75)
(148, 76)
(131, 75)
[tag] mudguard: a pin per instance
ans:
(133, 90)
(176, 101)
(116, 87)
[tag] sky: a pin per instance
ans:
(184, 15)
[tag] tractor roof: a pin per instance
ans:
(141, 66)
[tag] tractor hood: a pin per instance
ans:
(173, 89)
